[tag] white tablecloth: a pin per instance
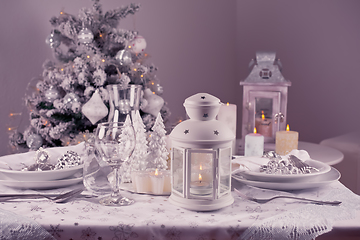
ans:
(153, 217)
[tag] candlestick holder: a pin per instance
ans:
(201, 157)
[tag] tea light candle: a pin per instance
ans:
(150, 181)
(200, 187)
(286, 141)
(254, 144)
(157, 183)
(227, 114)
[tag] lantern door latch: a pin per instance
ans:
(279, 117)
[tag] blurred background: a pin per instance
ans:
(206, 46)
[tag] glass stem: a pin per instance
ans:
(116, 191)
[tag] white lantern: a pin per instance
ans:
(265, 94)
(201, 157)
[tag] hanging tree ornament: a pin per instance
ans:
(138, 45)
(53, 40)
(34, 141)
(70, 98)
(51, 94)
(154, 103)
(85, 36)
(123, 57)
(95, 109)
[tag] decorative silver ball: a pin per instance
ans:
(34, 141)
(123, 57)
(53, 40)
(69, 99)
(85, 36)
(124, 106)
(51, 94)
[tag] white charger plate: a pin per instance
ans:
(49, 175)
(265, 177)
(40, 184)
(319, 181)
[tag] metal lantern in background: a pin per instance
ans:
(265, 94)
(201, 157)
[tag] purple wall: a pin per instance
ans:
(205, 46)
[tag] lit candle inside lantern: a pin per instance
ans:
(254, 144)
(200, 187)
(227, 114)
(265, 126)
(286, 141)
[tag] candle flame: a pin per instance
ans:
(287, 127)
(200, 177)
(262, 115)
(201, 167)
(156, 172)
(227, 104)
(255, 130)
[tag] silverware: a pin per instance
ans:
(302, 166)
(55, 198)
(265, 200)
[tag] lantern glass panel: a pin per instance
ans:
(201, 169)
(178, 170)
(224, 170)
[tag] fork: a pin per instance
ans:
(265, 200)
(57, 198)
(302, 166)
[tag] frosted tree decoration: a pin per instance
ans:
(138, 160)
(158, 153)
(91, 51)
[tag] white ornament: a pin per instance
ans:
(154, 103)
(123, 57)
(138, 45)
(69, 99)
(85, 36)
(51, 94)
(95, 109)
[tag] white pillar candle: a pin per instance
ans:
(227, 114)
(254, 144)
(285, 141)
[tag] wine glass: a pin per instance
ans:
(115, 142)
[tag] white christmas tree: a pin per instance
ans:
(138, 160)
(158, 153)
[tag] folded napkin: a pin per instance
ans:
(240, 163)
(19, 161)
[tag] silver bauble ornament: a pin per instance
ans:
(34, 141)
(123, 57)
(124, 106)
(53, 40)
(51, 94)
(85, 36)
(69, 99)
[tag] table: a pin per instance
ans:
(153, 217)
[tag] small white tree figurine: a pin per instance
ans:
(138, 159)
(158, 153)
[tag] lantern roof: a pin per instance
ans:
(266, 70)
(202, 127)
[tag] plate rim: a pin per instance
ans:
(289, 185)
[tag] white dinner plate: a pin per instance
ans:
(39, 175)
(256, 175)
(40, 184)
(319, 181)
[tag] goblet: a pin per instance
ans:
(115, 142)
